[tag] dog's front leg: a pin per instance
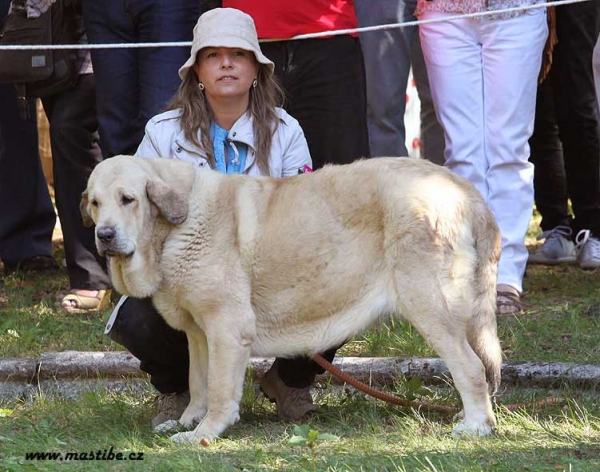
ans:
(229, 340)
(196, 410)
(198, 384)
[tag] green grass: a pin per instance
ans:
(372, 437)
(562, 323)
(31, 321)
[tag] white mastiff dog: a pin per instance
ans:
(281, 267)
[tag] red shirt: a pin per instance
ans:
(282, 19)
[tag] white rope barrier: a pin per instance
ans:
(439, 20)
(301, 36)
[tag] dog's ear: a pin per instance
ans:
(83, 205)
(172, 205)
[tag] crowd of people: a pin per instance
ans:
(288, 106)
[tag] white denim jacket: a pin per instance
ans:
(289, 150)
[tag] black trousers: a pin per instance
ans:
(163, 351)
(565, 146)
(75, 153)
(27, 217)
(324, 83)
(26, 214)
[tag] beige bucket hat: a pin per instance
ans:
(225, 27)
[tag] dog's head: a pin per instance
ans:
(128, 199)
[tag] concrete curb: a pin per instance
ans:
(69, 372)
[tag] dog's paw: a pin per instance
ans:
(464, 430)
(191, 419)
(167, 426)
(184, 438)
(189, 437)
(459, 416)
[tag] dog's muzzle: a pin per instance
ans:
(108, 243)
(106, 234)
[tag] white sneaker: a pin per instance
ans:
(589, 254)
(557, 248)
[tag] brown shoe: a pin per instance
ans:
(170, 407)
(292, 403)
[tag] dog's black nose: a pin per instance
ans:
(106, 234)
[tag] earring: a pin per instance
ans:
(254, 83)
(201, 86)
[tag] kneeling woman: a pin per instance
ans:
(224, 116)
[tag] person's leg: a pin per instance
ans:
(162, 350)
(452, 54)
(28, 218)
(158, 79)
(512, 52)
(75, 153)
(576, 105)
(549, 180)
(550, 184)
(386, 56)
(135, 84)
(325, 89)
(116, 75)
(432, 133)
(300, 372)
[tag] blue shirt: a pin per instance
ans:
(229, 159)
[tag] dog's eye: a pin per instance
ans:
(125, 200)
(94, 203)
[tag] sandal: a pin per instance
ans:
(86, 304)
(508, 302)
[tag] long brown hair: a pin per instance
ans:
(196, 114)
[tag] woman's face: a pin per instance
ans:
(227, 73)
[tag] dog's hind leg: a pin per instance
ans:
(468, 374)
(196, 410)
(445, 329)
(228, 355)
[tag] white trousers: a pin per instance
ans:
(483, 77)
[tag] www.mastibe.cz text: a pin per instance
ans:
(99, 455)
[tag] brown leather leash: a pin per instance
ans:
(426, 406)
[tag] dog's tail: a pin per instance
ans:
(483, 332)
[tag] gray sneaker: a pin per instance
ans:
(589, 254)
(292, 403)
(170, 407)
(556, 249)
